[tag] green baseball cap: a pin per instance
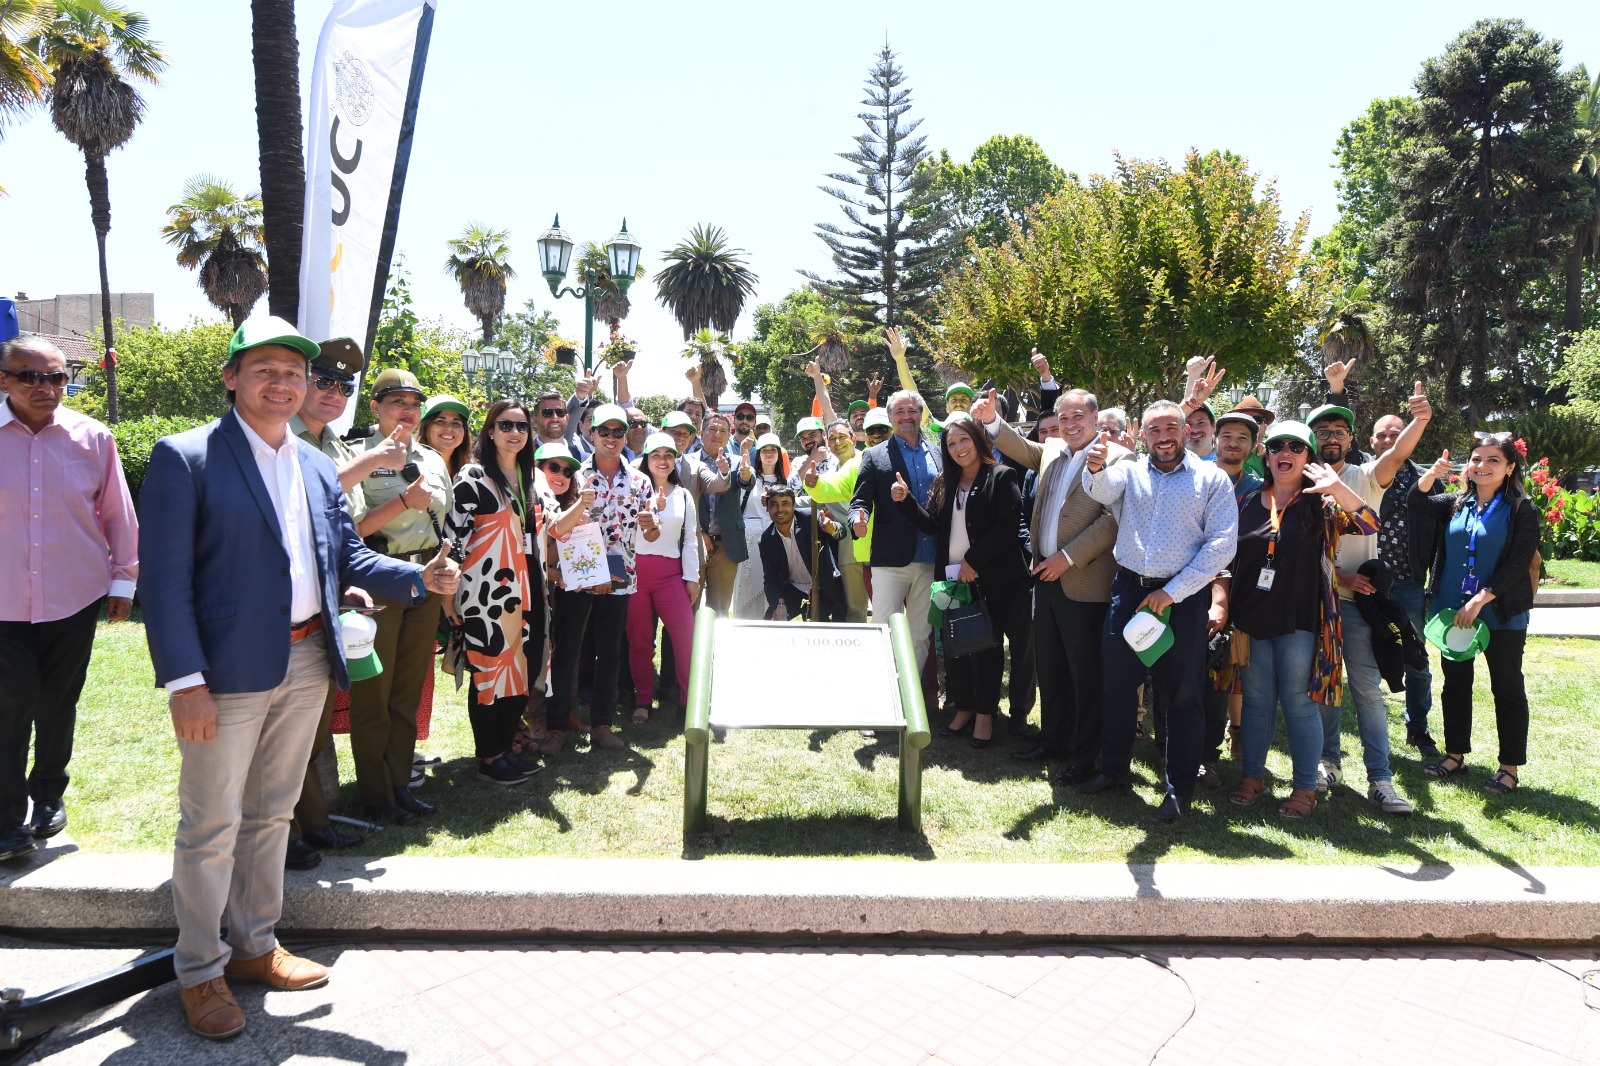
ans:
(960, 386)
(1453, 641)
(270, 329)
(1148, 634)
(558, 451)
(446, 402)
(1292, 431)
(856, 405)
(1332, 410)
(659, 441)
(810, 422)
(674, 419)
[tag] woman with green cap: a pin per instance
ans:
(1491, 532)
(1282, 599)
(445, 428)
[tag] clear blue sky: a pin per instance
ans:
(731, 113)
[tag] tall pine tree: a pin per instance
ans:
(886, 258)
(1487, 204)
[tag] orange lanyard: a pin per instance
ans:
(1277, 522)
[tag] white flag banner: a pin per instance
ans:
(364, 89)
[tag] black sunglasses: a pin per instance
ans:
(632, 424)
(879, 431)
(1296, 447)
(743, 418)
(506, 425)
(34, 378)
(556, 466)
(552, 412)
(323, 384)
(615, 432)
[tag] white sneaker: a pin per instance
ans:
(1384, 795)
(1328, 775)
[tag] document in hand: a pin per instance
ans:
(583, 558)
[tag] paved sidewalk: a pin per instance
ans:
(678, 1003)
(1564, 622)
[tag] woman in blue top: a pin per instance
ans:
(1491, 531)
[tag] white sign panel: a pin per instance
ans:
(849, 679)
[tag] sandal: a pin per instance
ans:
(1250, 788)
(1497, 782)
(1301, 802)
(1442, 768)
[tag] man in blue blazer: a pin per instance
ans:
(241, 608)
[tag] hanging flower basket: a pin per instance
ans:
(833, 353)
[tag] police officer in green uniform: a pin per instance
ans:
(403, 508)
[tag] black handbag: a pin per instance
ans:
(967, 629)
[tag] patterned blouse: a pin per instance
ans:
(617, 501)
(495, 587)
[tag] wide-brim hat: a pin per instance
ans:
(445, 402)
(1453, 641)
(1253, 407)
(360, 634)
(1148, 634)
(340, 357)
(257, 330)
(877, 416)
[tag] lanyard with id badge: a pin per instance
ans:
(1269, 572)
(1476, 524)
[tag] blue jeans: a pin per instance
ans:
(1366, 689)
(1419, 683)
(1280, 671)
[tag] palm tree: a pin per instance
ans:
(276, 53)
(708, 347)
(480, 266)
(1343, 332)
(91, 48)
(1586, 238)
(594, 265)
(705, 282)
(24, 78)
(219, 231)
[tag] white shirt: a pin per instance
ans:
(1355, 549)
(799, 576)
(679, 530)
(280, 469)
(959, 541)
(1055, 498)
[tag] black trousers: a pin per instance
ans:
(42, 668)
(972, 682)
(1504, 657)
(574, 614)
(1018, 628)
(1180, 673)
(1066, 636)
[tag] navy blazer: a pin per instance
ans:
(775, 582)
(894, 538)
(216, 590)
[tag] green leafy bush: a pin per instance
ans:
(137, 437)
(1569, 438)
(1571, 519)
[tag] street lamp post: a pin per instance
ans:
(555, 254)
(485, 363)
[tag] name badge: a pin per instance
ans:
(1265, 578)
(527, 544)
(1469, 584)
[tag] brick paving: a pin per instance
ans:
(870, 1004)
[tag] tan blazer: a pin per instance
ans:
(1085, 529)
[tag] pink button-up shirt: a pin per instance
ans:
(67, 522)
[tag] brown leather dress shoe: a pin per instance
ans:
(279, 969)
(211, 1010)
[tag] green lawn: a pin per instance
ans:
(1572, 573)
(798, 793)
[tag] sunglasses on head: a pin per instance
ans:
(326, 384)
(616, 432)
(34, 378)
(1490, 438)
(508, 425)
(556, 466)
(552, 412)
(1296, 447)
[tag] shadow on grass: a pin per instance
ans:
(790, 836)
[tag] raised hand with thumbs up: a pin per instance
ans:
(1421, 409)
(985, 411)
(1095, 458)
(441, 574)
(899, 490)
(1440, 471)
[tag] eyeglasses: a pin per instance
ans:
(34, 378)
(346, 388)
(1333, 434)
(1296, 447)
(556, 466)
(744, 418)
(552, 412)
(616, 432)
(636, 424)
(507, 425)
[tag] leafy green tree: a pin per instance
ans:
(1366, 150)
(527, 333)
(167, 373)
(480, 261)
(93, 48)
(886, 258)
(429, 349)
(984, 197)
(218, 231)
(787, 334)
(655, 406)
(705, 283)
(1488, 202)
(275, 53)
(1580, 371)
(1121, 279)
(1585, 250)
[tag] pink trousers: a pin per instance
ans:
(659, 594)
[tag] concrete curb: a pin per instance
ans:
(854, 899)
(1567, 598)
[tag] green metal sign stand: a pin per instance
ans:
(908, 717)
